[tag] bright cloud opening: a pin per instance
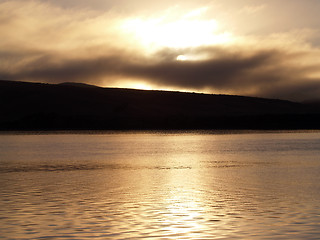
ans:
(182, 58)
(188, 30)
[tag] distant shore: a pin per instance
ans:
(78, 107)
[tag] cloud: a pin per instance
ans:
(253, 9)
(50, 44)
(266, 73)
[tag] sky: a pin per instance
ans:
(263, 48)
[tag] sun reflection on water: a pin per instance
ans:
(160, 186)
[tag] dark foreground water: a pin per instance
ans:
(197, 185)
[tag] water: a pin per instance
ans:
(194, 185)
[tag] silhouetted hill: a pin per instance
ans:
(37, 106)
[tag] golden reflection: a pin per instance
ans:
(170, 186)
(185, 208)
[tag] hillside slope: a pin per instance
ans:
(36, 106)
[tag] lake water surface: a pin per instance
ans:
(160, 185)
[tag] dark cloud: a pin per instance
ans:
(300, 90)
(266, 73)
(223, 71)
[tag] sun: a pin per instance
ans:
(182, 58)
(183, 31)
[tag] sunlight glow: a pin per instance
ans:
(188, 30)
(138, 85)
(182, 58)
(142, 84)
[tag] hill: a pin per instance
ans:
(68, 106)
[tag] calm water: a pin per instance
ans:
(194, 185)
